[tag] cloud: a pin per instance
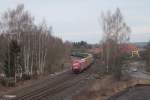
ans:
(141, 29)
(78, 19)
(18, 1)
(138, 37)
(90, 37)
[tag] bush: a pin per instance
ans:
(2, 81)
(26, 77)
(10, 82)
(128, 56)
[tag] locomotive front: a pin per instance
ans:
(76, 66)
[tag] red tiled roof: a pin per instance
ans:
(97, 50)
(125, 48)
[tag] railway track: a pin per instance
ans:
(38, 83)
(50, 87)
(51, 91)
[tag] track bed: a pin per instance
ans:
(59, 87)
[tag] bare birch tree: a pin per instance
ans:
(115, 32)
(40, 51)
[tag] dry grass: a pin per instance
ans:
(104, 88)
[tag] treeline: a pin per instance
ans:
(28, 49)
(81, 44)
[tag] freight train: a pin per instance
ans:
(81, 61)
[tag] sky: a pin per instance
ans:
(77, 20)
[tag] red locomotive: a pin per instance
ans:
(81, 61)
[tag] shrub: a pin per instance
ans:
(10, 82)
(26, 77)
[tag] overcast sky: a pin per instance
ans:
(77, 20)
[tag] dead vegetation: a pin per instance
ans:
(102, 89)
